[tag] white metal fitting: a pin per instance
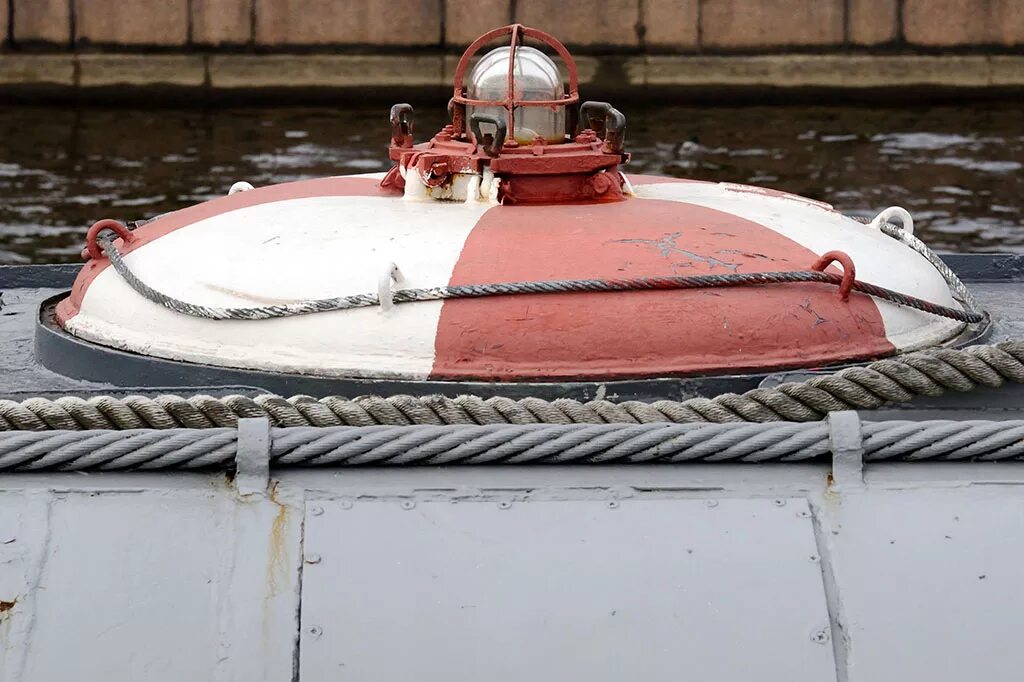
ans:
(389, 276)
(901, 215)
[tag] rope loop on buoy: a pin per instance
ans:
(401, 296)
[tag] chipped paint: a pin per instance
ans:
(777, 194)
(667, 246)
(818, 319)
(671, 332)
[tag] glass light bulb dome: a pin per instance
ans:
(536, 79)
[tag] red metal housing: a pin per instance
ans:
(583, 168)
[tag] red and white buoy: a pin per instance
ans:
(522, 186)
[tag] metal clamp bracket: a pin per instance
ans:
(252, 460)
(847, 445)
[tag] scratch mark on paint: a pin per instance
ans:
(251, 296)
(745, 254)
(35, 577)
(818, 319)
(667, 246)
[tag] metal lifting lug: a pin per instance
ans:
(849, 271)
(606, 121)
(493, 146)
(401, 125)
(92, 247)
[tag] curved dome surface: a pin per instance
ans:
(336, 236)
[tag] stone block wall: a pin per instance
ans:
(634, 26)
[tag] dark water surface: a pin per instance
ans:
(957, 169)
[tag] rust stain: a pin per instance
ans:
(277, 560)
(7, 605)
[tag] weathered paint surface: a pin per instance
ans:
(595, 573)
(298, 249)
(356, 185)
(819, 228)
(165, 579)
(641, 333)
(336, 236)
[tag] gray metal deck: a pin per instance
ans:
(725, 572)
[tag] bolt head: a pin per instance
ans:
(408, 504)
(315, 630)
(316, 511)
(711, 503)
(313, 558)
(601, 183)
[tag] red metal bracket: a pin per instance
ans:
(849, 271)
(92, 249)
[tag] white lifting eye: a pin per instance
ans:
(240, 186)
(897, 215)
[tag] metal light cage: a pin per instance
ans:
(518, 33)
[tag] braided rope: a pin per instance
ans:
(193, 449)
(959, 289)
(893, 380)
(515, 288)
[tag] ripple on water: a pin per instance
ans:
(958, 169)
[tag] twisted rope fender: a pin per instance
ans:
(893, 380)
(193, 449)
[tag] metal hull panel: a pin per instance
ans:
(563, 590)
(178, 582)
(928, 580)
(178, 576)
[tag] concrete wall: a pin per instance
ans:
(652, 26)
